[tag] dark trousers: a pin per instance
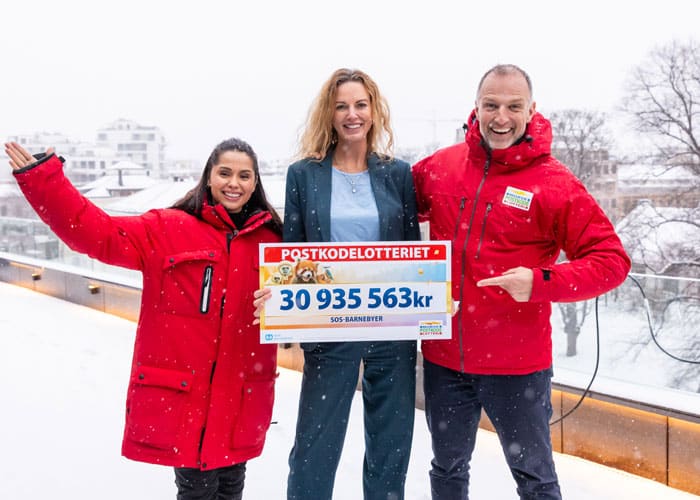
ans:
(519, 407)
(225, 483)
(328, 384)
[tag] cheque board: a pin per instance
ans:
(331, 292)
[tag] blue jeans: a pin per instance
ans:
(329, 382)
(225, 483)
(519, 407)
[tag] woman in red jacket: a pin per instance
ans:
(201, 389)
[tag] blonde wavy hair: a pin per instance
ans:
(319, 135)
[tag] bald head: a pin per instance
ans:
(503, 70)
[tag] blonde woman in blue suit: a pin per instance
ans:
(348, 187)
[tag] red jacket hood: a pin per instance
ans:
(536, 142)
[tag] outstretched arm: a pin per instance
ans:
(83, 226)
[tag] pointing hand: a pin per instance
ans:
(517, 282)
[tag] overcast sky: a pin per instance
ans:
(207, 70)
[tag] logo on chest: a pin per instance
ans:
(517, 198)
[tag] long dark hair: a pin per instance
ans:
(194, 200)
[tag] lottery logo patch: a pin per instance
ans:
(517, 198)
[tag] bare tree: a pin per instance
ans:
(573, 315)
(581, 141)
(663, 101)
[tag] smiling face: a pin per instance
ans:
(504, 107)
(352, 117)
(232, 180)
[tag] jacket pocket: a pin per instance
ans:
(254, 414)
(187, 282)
(155, 404)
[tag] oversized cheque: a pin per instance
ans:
(328, 292)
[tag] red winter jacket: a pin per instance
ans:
(502, 209)
(202, 386)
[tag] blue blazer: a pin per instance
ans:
(307, 207)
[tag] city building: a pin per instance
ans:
(85, 162)
(143, 145)
(662, 185)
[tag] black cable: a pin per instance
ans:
(597, 348)
(651, 328)
(595, 370)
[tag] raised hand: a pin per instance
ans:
(20, 157)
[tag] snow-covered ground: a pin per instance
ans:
(62, 415)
